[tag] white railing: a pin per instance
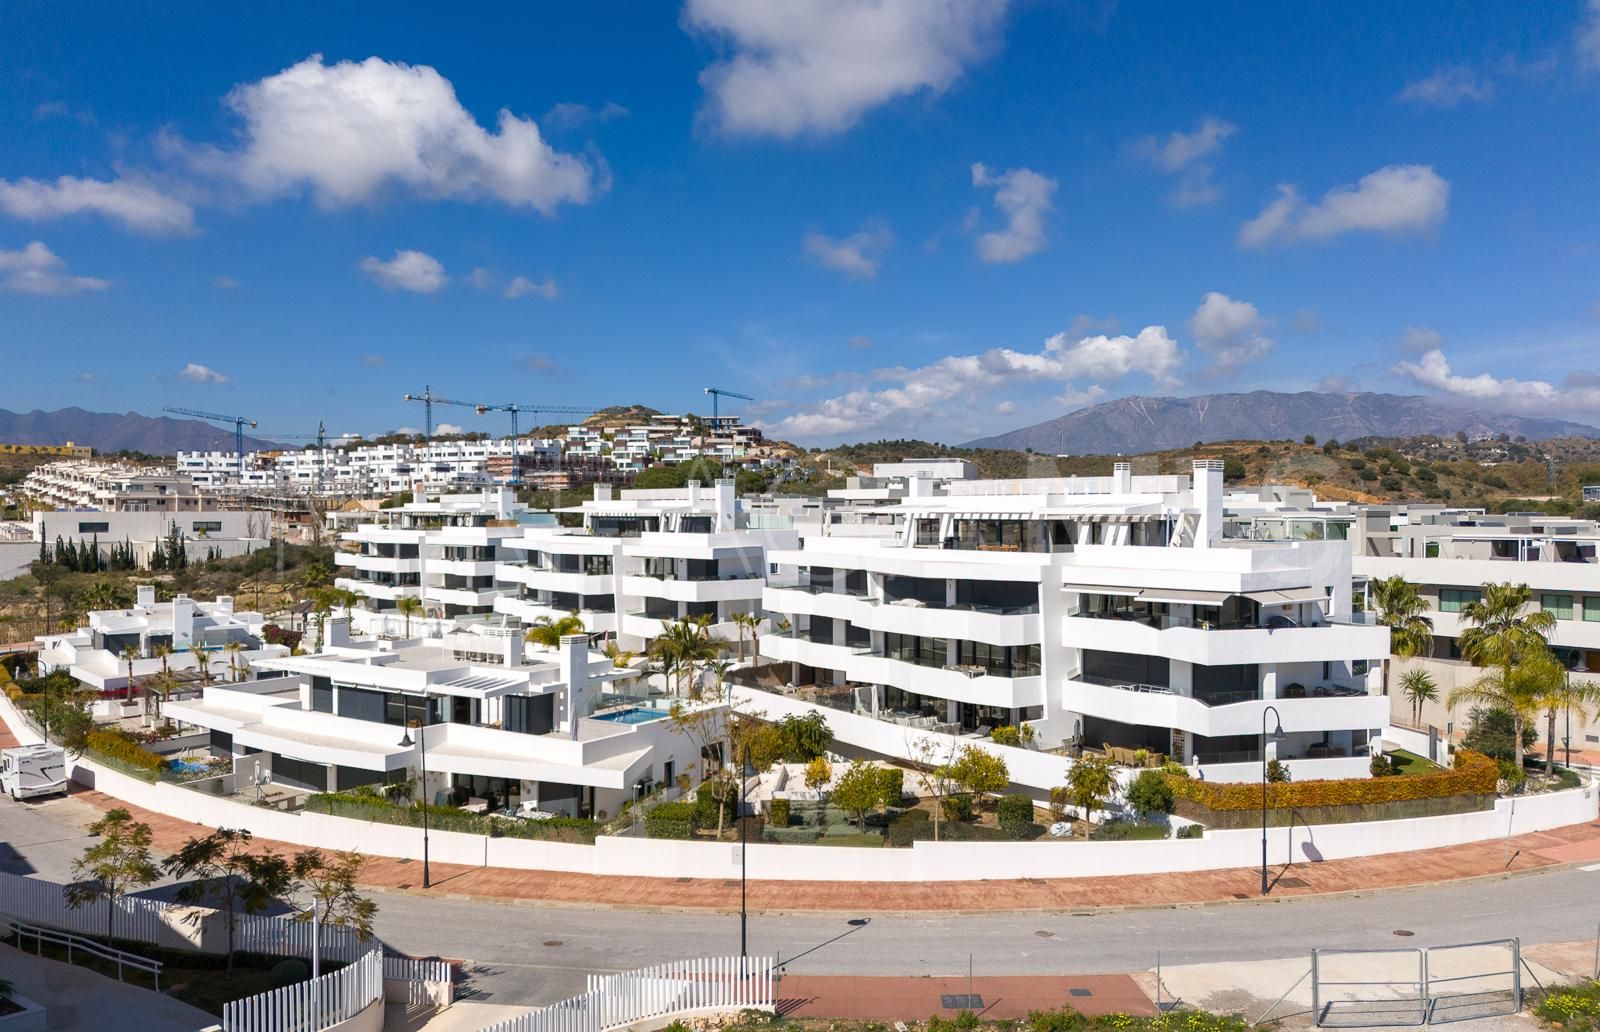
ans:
(121, 958)
(613, 1001)
(427, 982)
(311, 1005)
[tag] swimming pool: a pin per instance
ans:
(632, 715)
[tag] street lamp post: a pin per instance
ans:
(1277, 736)
(422, 750)
(744, 848)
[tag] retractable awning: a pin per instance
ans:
(1287, 596)
(1183, 597)
(1103, 589)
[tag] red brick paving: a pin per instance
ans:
(1576, 843)
(1010, 998)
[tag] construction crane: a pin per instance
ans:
(238, 428)
(516, 410)
(717, 394)
(429, 400)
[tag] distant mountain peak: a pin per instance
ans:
(127, 431)
(1139, 423)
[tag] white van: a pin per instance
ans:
(33, 770)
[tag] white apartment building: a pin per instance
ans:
(228, 532)
(443, 549)
(97, 653)
(1103, 610)
(646, 557)
(549, 731)
(111, 487)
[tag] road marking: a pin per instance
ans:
(1590, 867)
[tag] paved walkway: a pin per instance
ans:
(866, 998)
(80, 1000)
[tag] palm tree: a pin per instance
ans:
(235, 649)
(1580, 697)
(720, 668)
(1504, 634)
(203, 659)
(408, 605)
(162, 651)
(620, 657)
(548, 632)
(1519, 691)
(742, 622)
(1418, 687)
(1398, 605)
(129, 654)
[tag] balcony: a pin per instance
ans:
(1154, 706)
(1214, 646)
(1018, 626)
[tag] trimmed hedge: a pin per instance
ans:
(671, 821)
(1474, 774)
(1015, 813)
(778, 812)
(122, 749)
(448, 818)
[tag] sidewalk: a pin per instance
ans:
(1576, 844)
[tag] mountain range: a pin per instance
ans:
(110, 431)
(1133, 425)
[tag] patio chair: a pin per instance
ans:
(982, 731)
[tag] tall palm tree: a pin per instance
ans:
(235, 649)
(740, 622)
(620, 657)
(1505, 635)
(548, 632)
(162, 651)
(408, 605)
(1580, 697)
(129, 654)
(1398, 605)
(1418, 687)
(202, 658)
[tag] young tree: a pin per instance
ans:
(818, 773)
(858, 790)
(1397, 604)
(1091, 782)
(1150, 793)
(980, 772)
(937, 771)
(120, 862)
(1419, 688)
(326, 891)
(227, 872)
(806, 736)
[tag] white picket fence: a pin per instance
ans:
(42, 902)
(427, 982)
(311, 1005)
(612, 1001)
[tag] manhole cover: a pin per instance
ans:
(1080, 992)
(552, 942)
(685, 881)
(1293, 883)
(1404, 932)
(961, 1001)
(1045, 935)
(403, 860)
(1241, 895)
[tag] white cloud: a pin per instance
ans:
(1394, 199)
(930, 390)
(1179, 150)
(1306, 320)
(447, 429)
(1023, 196)
(522, 286)
(858, 255)
(225, 283)
(85, 377)
(1072, 398)
(1418, 340)
(137, 205)
(194, 372)
(1588, 41)
(1432, 371)
(1447, 87)
(348, 131)
(374, 361)
(576, 116)
(481, 278)
(1231, 332)
(859, 343)
(38, 270)
(407, 270)
(1005, 408)
(818, 67)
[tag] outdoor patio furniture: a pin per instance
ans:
(475, 805)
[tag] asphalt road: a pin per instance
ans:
(531, 955)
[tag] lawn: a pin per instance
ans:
(1410, 763)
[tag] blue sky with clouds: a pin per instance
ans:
(891, 218)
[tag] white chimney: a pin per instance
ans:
(574, 650)
(182, 622)
(511, 652)
(602, 492)
(1122, 476)
(336, 630)
(725, 496)
(145, 595)
(694, 493)
(1208, 500)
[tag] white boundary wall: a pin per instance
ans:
(709, 985)
(925, 861)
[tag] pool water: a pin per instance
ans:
(187, 766)
(631, 715)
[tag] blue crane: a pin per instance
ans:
(238, 428)
(516, 409)
(429, 400)
(717, 394)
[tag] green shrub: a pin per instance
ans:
(778, 812)
(1016, 814)
(1189, 831)
(1006, 734)
(1573, 1008)
(1278, 772)
(119, 748)
(288, 972)
(1151, 793)
(705, 802)
(891, 785)
(672, 821)
(957, 807)
(1380, 766)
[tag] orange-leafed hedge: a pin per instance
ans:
(1473, 774)
(121, 748)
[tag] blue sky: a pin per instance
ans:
(895, 218)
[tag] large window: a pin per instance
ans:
(207, 526)
(322, 695)
(529, 714)
(1591, 608)
(999, 660)
(909, 648)
(94, 528)
(1452, 600)
(1558, 606)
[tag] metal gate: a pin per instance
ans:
(1433, 985)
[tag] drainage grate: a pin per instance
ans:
(961, 1001)
(552, 942)
(1045, 935)
(1080, 992)
(1241, 895)
(1293, 883)
(1404, 932)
